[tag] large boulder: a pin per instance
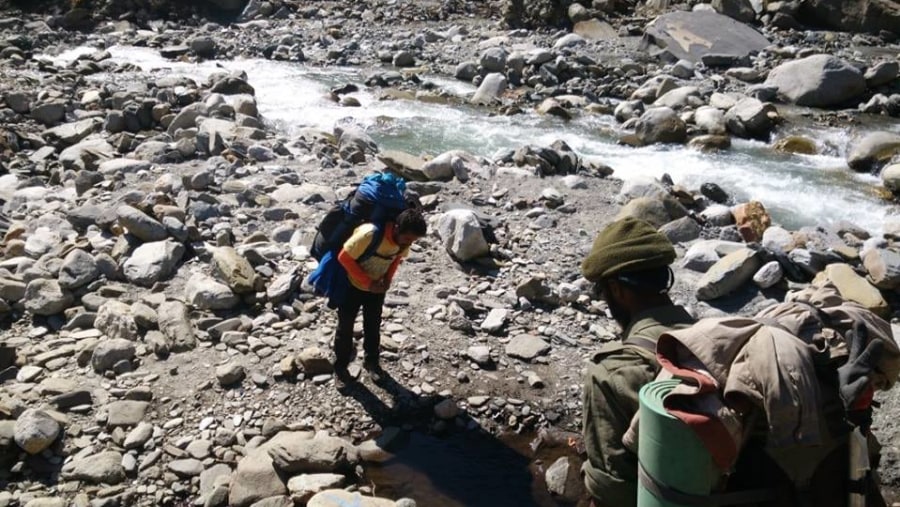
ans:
(661, 125)
(460, 232)
(141, 225)
(490, 89)
(741, 10)
(108, 353)
(852, 15)
(79, 268)
(322, 454)
(175, 323)
(35, 430)
(236, 270)
(883, 266)
(693, 35)
(729, 274)
(656, 210)
(103, 468)
(873, 151)
(205, 293)
(70, 133)
(87, 155)
(537, 13)
(751, 119)
(817, 81)
(854, 288)
(46, 297)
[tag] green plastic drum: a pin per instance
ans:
(669, 451)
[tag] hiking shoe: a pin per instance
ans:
(376, 374)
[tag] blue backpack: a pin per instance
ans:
(378, 200)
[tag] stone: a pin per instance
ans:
(229, 374)
(768, 275)
(87, 155)
(492, 86)
(109, 352)
(255, 479)
(152, 262)
(751, 119)
(778, 239)
(404, 59)
(446, 409)
(138, 436)
(851, 15)
(729, 274)
(236, 270)
(123, 166)
(305, 486)
(115, 320)
(175, 323)
(46, 502)
(741, 10)
(466, 71)
(494, 59)
(797, 145)
(462, 236)
(78, 269)
(205, 293)
(406, 165)
(46, 297)
(594, 29)
(570, 40)
(11, 290)
(853, 287)
(692, 35)
(557, 475)
(204, 46)
(126, 413)
(322, 454)
(441, 168)
(656, 211)
(495, 320)
(817, 81)
(342, 498)
(35, 430)
(873, 151)
(480, 355)
(883, 266)
(314, 361)
(752, 220)
(70, 133)
(210, 476)
(49, 113)
(882, 73)
(186, 468)
(102, 468)
(679, 98)
(141, 225)
(527, 347)
(661, 125)
(683, 230)
(890, 177)
(710, 120)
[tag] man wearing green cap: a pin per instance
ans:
(629, 265)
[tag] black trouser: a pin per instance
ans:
(371, 304)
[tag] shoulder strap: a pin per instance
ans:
(377, 236)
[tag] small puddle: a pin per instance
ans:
(473, 468)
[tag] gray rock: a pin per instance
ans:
(236, 270)
(404, 59)
(126, 413)
(229, 374)
(778, 239)
(187, 117)
(527, 347)
(682, 230)
(87, 155)
(851, 15)
(123, 166)
(741, 10)
(873, 151)
(569, 41)
(710, 120)
(49, 113)
(661, 125)
(693, 35)
(817, 81)
(115, 320)
(341, 498)
(204, 46)
(728, 274)
(205, 293)
(751, 119)
(41, 242)
(480, 355)
(557, 476)
(494, 60)
(495, 320)
(19, 102)
(70, 133)
(679, 98)
(35, 431)
(109, 352)
(883, 266)
(890, 177)
(139, 436)
(304, 486)
(462, 236)
(314, 361)
(175, 323)
(657, 211)
(446, 410)
(11, 290)
(882, 73)
(78, 269)
(186, 468)
(317, 455)
(466, 71)
(103, 468)
(490, 89)
(140, 224)
(440, 168)
(254, 479)
(46, 297)
(152, 262)
(768, 275)
(718, 215)
(210, 476)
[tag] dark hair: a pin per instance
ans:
(648, 281)
(411, 221)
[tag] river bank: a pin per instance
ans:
(163, 180)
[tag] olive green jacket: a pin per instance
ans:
(611, 399)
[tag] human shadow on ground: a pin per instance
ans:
(462, 464)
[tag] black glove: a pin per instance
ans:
(864, 356)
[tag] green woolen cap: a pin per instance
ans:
(627, 245)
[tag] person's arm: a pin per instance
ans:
(353, 268)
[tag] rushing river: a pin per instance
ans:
(798, 190)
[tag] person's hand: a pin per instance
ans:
(864, 356)
(379, 286)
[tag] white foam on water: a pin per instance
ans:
(799, 190)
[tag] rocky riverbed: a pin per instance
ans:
(159, 347)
